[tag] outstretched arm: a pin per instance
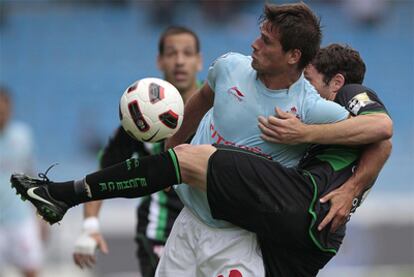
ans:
(90, 238)
(195, 108)
(342, 199)
(362, 129)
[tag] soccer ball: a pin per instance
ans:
(151, 109)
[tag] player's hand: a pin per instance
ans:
(341, 204)
(85, 249)
(286, 128)
(85, 246)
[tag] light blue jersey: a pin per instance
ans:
(16, 149)
(240, 98)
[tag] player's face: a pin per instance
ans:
(180, 61)
(268, 55)
(4, 112)
(316, 79)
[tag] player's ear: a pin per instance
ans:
(337, 82)
(294, 56)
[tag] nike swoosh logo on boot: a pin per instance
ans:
(32, 194)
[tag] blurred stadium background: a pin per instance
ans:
(68, 62)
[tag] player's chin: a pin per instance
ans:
(181, 85)
(255, 65)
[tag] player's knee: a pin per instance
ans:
(193, 161)
(182, 148)
(203, 150)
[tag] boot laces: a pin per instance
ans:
(44, 175)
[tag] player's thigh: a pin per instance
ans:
(193, 161)
(253, 192)
(179, 257)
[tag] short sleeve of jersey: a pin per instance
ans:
(321, 111)
(219, 68)
(358, 100)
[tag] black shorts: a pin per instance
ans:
(279, 204)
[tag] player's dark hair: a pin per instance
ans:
(176, 30)
(336, 58)
(298, 28)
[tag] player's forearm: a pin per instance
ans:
(91, 209)
(370, 164)
(195, 108)
(362, 129)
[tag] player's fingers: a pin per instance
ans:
(327, 219)
(336, 222)
(77, 260)
(103, 246)
(326, 197)
(269, 139)
(282, 114)
(91, 261)
(275, 122)
(262, 120)
(279, 112)
(82, 261)
(267, 131)
(339, 220)
(87, 261)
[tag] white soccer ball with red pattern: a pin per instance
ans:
(151, 109)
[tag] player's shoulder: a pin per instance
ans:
(358, 98)
(231, 59)
(307, 91)
(354, 89)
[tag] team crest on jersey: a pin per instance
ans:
(236, 93)
(359, 101)
(293, 110)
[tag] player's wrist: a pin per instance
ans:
(309, 133)
(352, 187)
(91, 225)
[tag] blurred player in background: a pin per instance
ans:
(179, 59)
(20, 236)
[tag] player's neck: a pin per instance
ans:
(279, 81)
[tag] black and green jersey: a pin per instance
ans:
(329, 166)
(358, 100)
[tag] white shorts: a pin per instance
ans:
(195, 249)
(20, 245)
